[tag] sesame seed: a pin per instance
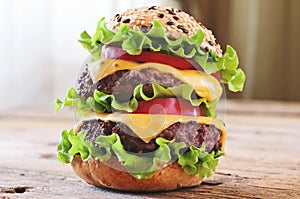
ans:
(183, 29)
(211, 43)
(160, 15)
(170, 12)
(176, 18)
(152, 8)
(170, 23)
(119, 19)
(126, 21)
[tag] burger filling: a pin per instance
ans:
(191, 133)
(122, 83)
(122, 90)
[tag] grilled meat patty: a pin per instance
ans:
(122, 83)
(192, 133)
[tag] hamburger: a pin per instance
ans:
(146, 102)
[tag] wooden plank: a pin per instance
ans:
(262, 158)
(259, 107)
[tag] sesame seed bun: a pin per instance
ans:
(176, 23)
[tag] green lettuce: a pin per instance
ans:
(194, 160)
(156, 40)
(191, 164)
(102, 102)
(81, 106)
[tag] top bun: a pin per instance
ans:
(176, 23)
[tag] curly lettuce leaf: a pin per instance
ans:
(231, 75)
(234, 79)
(193, 161)
(81, 106)
(198, 161)
(156, 40)
(72, 144)
(184, 91)
(64, 146)
(142, 166)
(86, 42)
(102, 102)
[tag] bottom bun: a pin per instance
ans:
(96, 173)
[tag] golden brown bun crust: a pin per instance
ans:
(96, 173)
(176, 23)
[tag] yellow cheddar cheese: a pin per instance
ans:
(205, 85)
(149, 126)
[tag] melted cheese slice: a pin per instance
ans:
(205, 85)
(147, 126)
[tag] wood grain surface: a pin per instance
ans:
(263, 156)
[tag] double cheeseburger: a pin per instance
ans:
(146, 102)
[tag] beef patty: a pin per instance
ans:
(122, 83)
(191, 133)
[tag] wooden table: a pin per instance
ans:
(263, 156)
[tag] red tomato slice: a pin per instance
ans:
(172, 106)
(111, 52)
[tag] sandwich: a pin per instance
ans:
(146, 102)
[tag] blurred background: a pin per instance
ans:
(40, 56)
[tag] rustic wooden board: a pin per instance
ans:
(262, 159)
